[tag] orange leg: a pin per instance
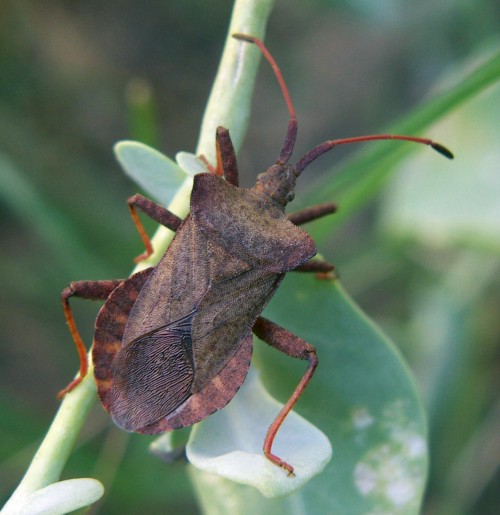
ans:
(211, 168)
(154, 211)
(93, 290)
(296, 347)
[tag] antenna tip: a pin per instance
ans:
(442, 150)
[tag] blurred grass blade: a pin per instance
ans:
(362, 177)
(43, 218)
(446, 206)
(142, 112)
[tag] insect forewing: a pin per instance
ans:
(152, 375)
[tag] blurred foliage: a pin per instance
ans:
(75, 77)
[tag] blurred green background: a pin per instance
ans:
(73, 77)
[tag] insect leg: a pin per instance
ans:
(227, 165)
(211, 168)
(92, 290)
(293, 346)
(226, 156)
(323, 268)
(308, 215)
(312, 213)
(157, 213)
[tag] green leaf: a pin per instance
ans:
(154, 172)
(362, 397)
(190, 163)
(44, 218)
(58, 498)
(229, 443)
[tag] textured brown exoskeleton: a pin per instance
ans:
(173, 343)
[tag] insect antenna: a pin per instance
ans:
(291, 133)
(324, 147)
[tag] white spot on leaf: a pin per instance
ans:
(361, 418)
(391, 473)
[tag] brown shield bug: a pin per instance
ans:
(173, 342)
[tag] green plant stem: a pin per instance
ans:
(52, 455)
(229, 105)
(229, 102)
(231, 95)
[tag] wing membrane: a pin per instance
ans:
(152, 375)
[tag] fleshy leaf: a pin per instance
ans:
(362, 396)
(190, 163)
(59, 498)
(229, 443)
(155, 173)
